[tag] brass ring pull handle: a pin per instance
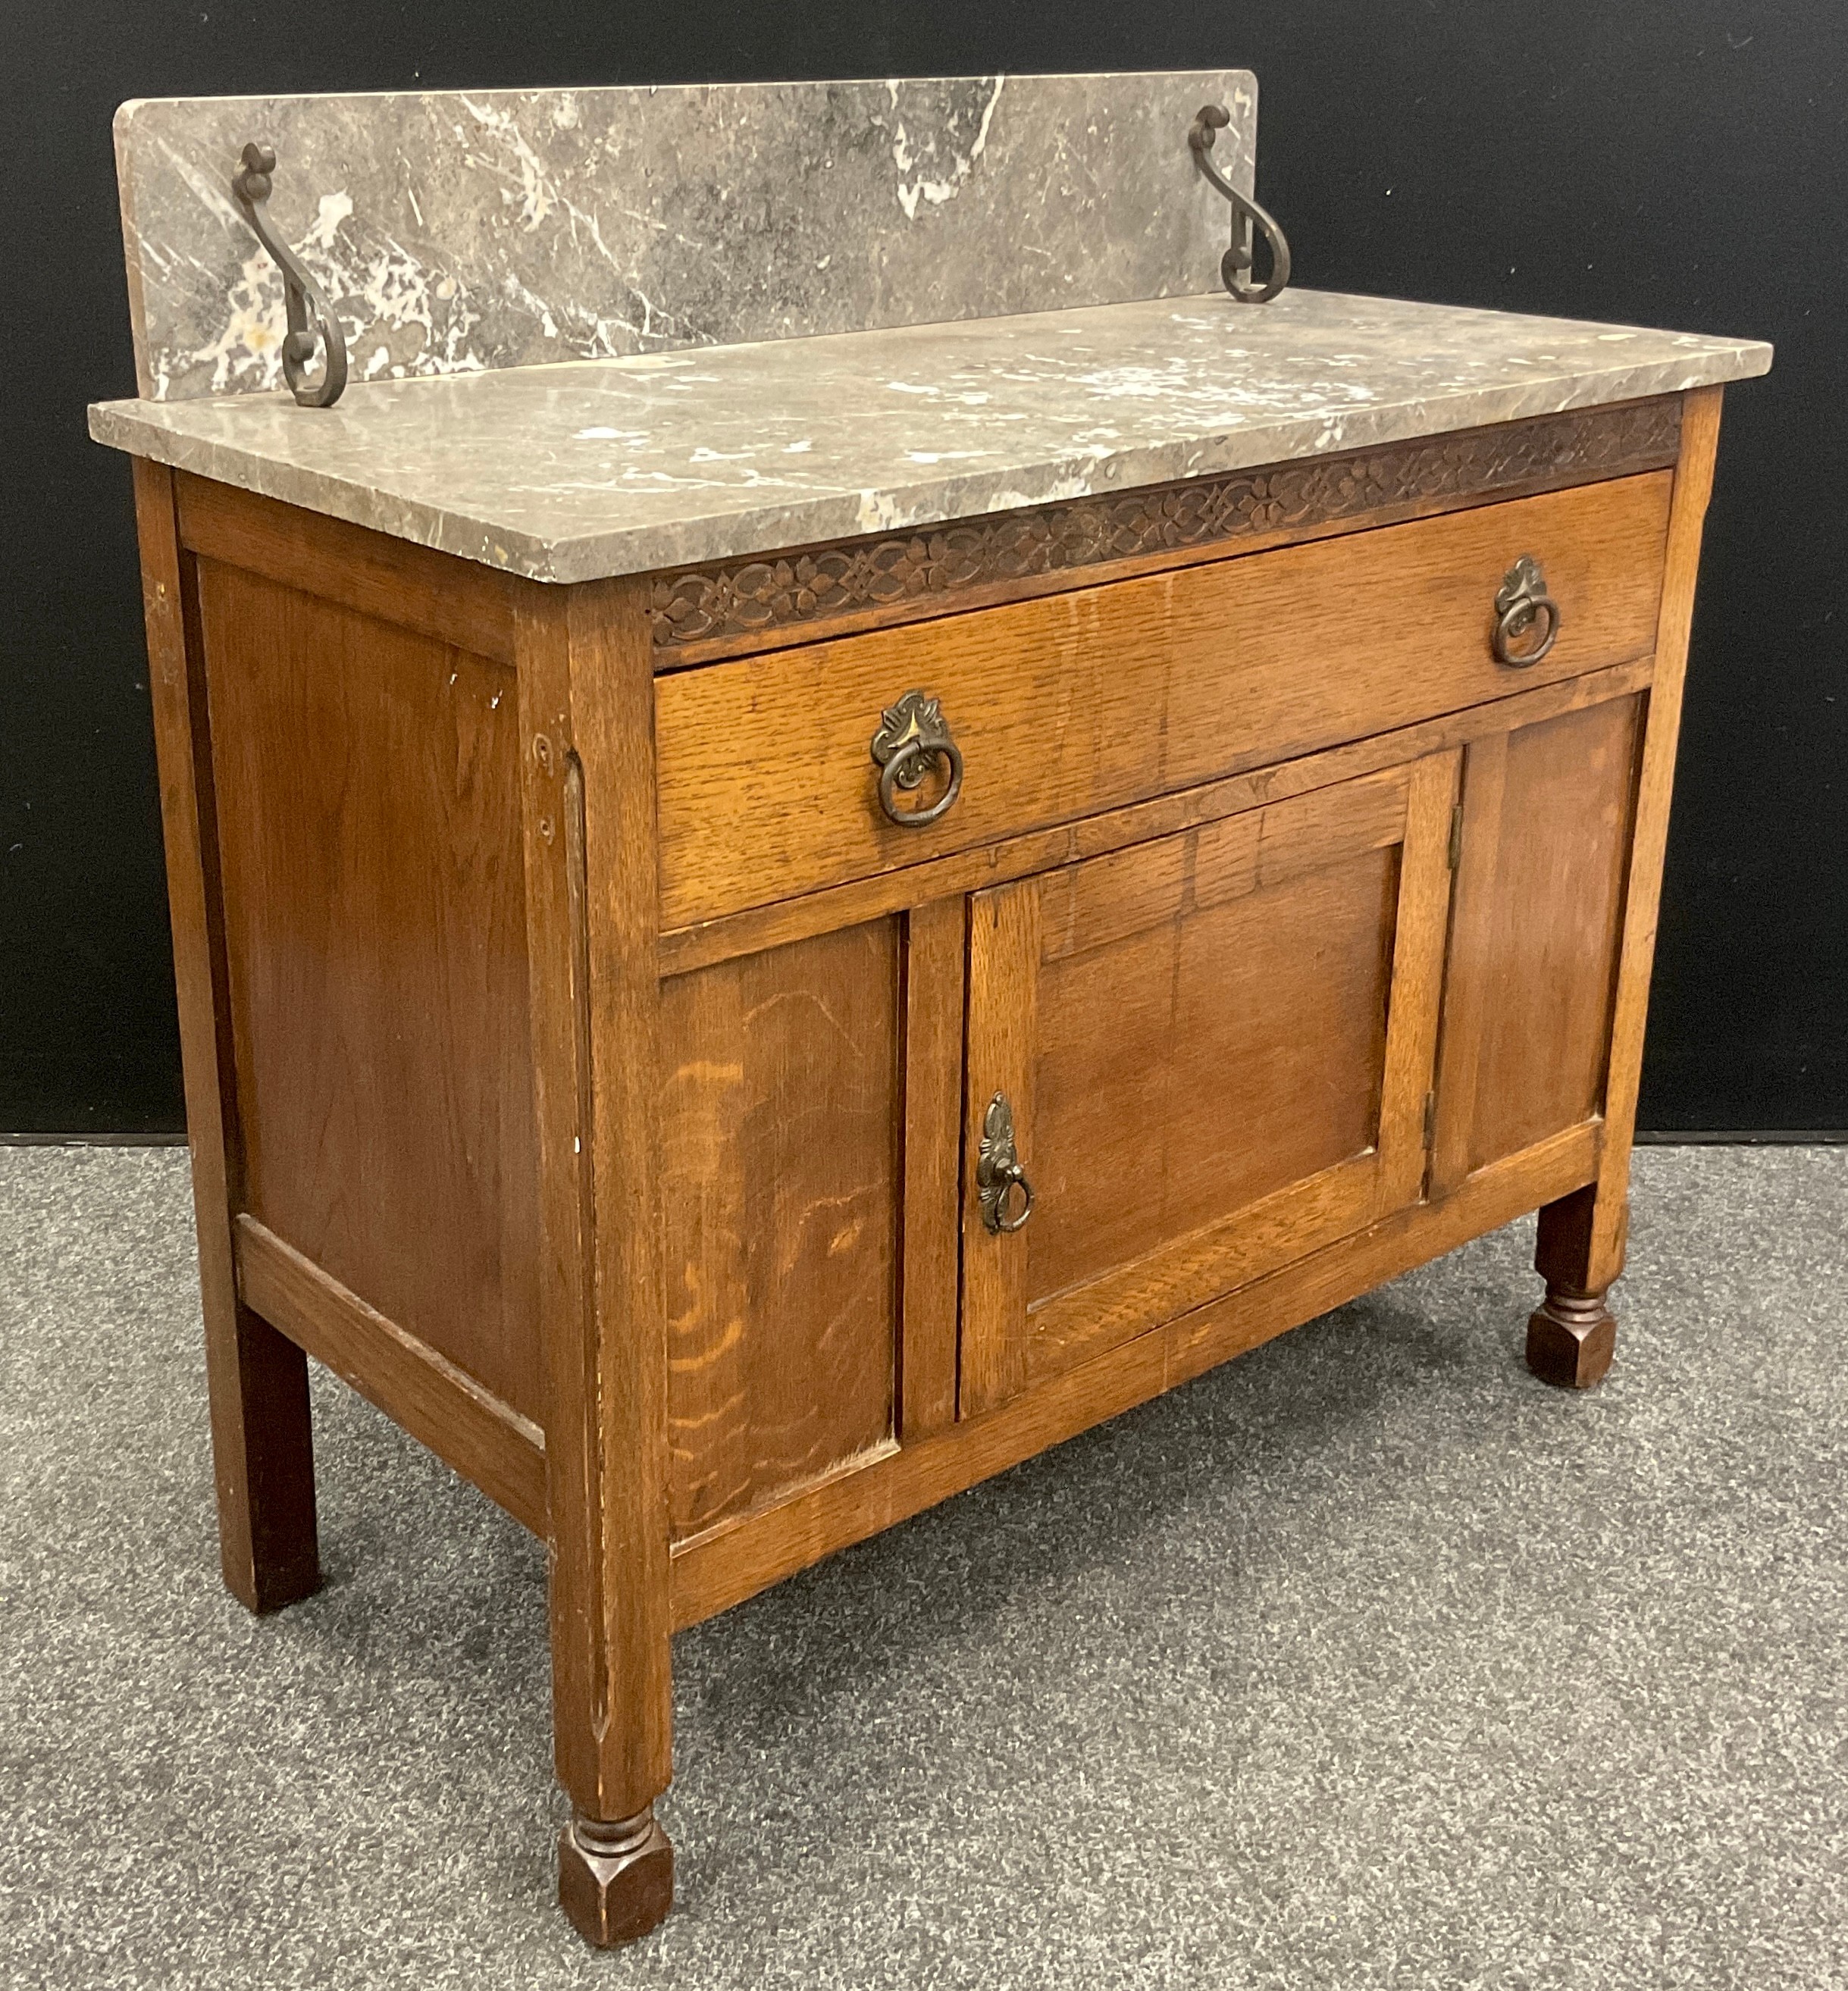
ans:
(998, 1172)
(1522, 606)
(912, 735)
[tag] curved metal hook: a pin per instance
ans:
(1237, 260)
(302, 300)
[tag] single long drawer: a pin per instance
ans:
(1087, 700)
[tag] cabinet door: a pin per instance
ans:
(1214, 1051)
(780, 1139)
(1543, 856)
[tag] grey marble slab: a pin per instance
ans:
(573, 472)
(458, 231)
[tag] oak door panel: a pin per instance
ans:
(780, 1140)
(1547, 814)
(1092, 699)
(375, 933)
(1216, 1048)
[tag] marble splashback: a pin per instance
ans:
(462, 231)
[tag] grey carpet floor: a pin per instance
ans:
(1364, 1662)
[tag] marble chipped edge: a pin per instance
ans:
(718, 535)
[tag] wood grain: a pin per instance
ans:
(1099, 698)
(441, 1406)
(262, 1443)
(375, 937)
(587, 762)
(780, 1130)
(698, 946)
(1533, 957)
(715, 1570)
(1004, 954)
(1217, 1015)
(1470, 984)
(448, 600)
(1236, 1049)
(1565, 835)
(1415, 997)
(935, 955)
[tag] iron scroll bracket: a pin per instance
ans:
(1236, 265)
(310, 321)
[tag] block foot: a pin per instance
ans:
(1571, 1337)
(615, 1880)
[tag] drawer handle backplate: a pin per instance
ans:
(997, 1170)
(1522, 605)
(912, 734)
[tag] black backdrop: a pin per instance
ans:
(1681, 162)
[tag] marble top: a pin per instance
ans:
(456, 231)
(576, 471)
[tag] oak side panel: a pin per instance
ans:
(1094, 699)
(437, 595)
(375, 937)
(936, 943)
(780, 1130)
(262, 1444)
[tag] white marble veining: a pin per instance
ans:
(574, 472)
(453, 232)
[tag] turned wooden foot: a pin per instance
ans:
(1571, 1337)
(615, 1880)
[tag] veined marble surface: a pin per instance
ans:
(456, 232)
(573, 472)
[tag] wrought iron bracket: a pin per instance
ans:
(310, 321)
(1236, 265)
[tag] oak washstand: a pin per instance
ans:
(950, 827)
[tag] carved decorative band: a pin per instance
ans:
(721, 604)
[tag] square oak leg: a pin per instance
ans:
(586, 679)
(263, 1459)
(262, 1451)
(1572, 1335)
(1582, 1236)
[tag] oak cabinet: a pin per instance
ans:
(726, 1091)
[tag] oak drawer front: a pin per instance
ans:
(1089, 700)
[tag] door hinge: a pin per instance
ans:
(1456, 835)
(1430, 1117)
